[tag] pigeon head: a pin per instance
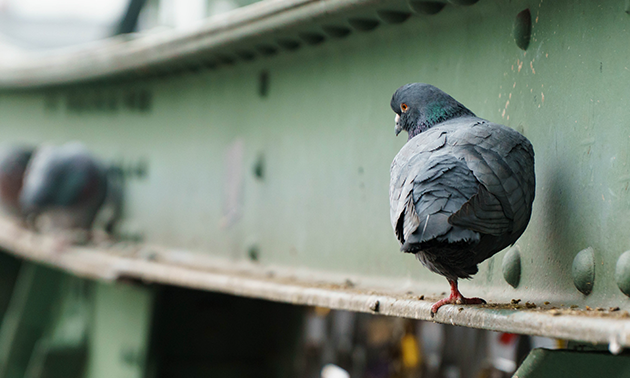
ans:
(420, 106)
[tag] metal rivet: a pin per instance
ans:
(363, 24)
(393, 17)
(211, 64)
(336, 31)
(288, 44)
(259, 167)
(374, 305)
(463, 2)
(512, 266)
(523, 29)
(246, 55)
(583, 270)
(253, 253)
(225, 59)
(263, 83)
(426, 7)
(267, 50)
(622, 273)
(312, 38)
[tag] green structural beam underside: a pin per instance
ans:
(272, 147)
(156, 265)
(543, 363)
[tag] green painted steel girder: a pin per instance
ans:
(543, 363)
(284, 159)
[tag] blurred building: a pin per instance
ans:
(42, 24)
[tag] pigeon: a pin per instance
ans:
(13, 162)
(461, 188)
(65, 183)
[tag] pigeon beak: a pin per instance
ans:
(398, 127)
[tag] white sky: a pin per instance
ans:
(100, 11)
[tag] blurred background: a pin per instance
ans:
(40, 24)
(69, 327)
(232, 150)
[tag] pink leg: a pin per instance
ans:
(455, 298)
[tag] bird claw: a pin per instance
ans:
(454, 298)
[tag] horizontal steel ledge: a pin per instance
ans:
(121, 55)
(156, 265)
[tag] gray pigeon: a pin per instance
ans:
(13, 162)
(461, 188)
(67, 184)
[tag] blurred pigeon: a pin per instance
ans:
(461, 188)
(65, 183)
(13, 162)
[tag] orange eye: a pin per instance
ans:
(404, 107)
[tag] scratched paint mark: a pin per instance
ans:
(531, 65)
(542, 97)
(519, 65)
(507, 103)
(610, 191)
(510, 96)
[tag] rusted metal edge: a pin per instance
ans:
(147, 52)
(149, 265)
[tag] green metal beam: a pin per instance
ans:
(279, 167)
(9, 270)
(27, 317)
(544, 363)
(119, 331)
(62, 350)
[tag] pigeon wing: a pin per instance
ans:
(502, 160)
(428, 185)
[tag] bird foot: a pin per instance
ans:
(455, 298)
(459, 300)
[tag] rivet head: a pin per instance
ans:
(374, 305)
(463, 2)
(523, 29)
(253, 253)
(426, 7)
(622, 273)
(512, 266)
(583, 270)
